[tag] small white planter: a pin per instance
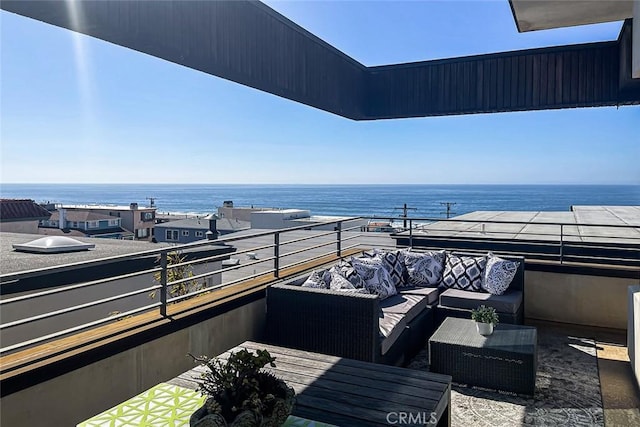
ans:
(484, 328)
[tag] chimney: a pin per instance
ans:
(212, 234)
(227, 204)
(62, 218)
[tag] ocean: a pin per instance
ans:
(344, 200)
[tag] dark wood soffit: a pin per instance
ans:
(251, 44)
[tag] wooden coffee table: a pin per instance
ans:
(347, 392)
(505, 360)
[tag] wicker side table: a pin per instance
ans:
(505, 360)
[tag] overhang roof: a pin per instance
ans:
(249, 43)
(531, 15)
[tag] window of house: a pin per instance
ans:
(199, 234)
(172, 235)
(185, 233)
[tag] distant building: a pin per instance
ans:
(241, 213)
(86, 223)
(285, 218)
(21, 215)
(138, 220)
(228, 226)
(186, 230)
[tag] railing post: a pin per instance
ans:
(411, 233)
(163, 283)
(276, 254)
(339, 239)
(561, 242)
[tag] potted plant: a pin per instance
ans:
(240, 393)
(485, 318)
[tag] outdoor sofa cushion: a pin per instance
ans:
(407, 305)
(508, 302)
(396, 313)
(431, 293)
(391, 327)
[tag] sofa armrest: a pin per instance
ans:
(518, 280)
(324, 321)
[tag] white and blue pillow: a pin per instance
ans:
(377, 279)
(318, 279)
(344, 271)
(393, 262)
(498, 274)
(423, 268)
(463, 272)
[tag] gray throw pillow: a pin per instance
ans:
(498, 274)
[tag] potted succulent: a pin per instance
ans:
(240, 393)
(485, 318)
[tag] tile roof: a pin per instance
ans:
(21, 209)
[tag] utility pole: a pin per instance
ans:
(151, 202)
(448, 205)
(404, 213)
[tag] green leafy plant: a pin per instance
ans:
(176, 273)
(484, 314)
(238, 387)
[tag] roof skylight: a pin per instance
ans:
(53, 245)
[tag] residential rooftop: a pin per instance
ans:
(107, 207)
(21, 209)
(14, 261)
(81, 216)
(530, 225)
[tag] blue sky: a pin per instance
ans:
(79, 110)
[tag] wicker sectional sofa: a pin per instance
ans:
(364, 327)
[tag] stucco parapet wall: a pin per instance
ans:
(577, 298)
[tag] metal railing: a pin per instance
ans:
(558, 241)
(157, 276)
(618, 244)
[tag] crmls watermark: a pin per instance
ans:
(412, 418)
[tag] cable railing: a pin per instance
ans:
(32, 317)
